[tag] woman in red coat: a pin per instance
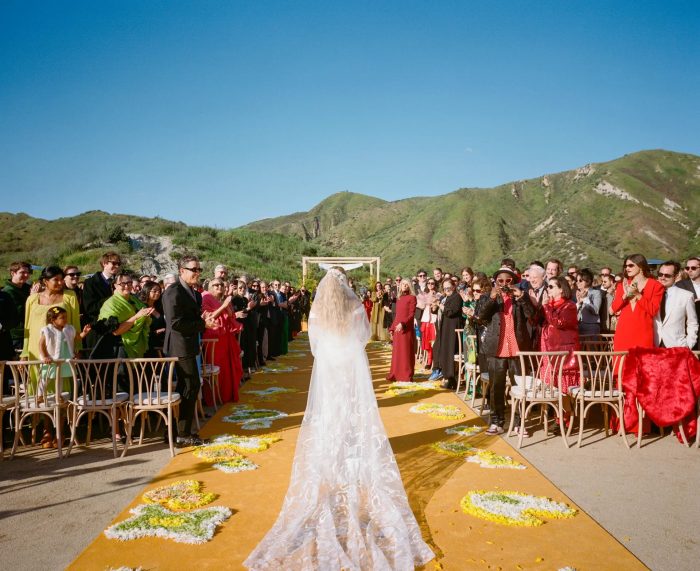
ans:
(403, 353)
(560, 329)
(637, 301)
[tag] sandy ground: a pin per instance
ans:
(646, 498)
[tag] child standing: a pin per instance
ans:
(57, 342)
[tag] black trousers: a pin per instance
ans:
(498, 370)
(188, 385)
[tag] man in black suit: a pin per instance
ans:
(96, 289)
(183, 327)
(692, 284)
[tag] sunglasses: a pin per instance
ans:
(124, 284)
(74, 274)
(431, 283)
(663, 275)
(691, 268)
(422, 275)
(217, 285)
(504, 280)
(194, 270)
(476, 290)
(114, 263)
(551, 286)
(630, 265)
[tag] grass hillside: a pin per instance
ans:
(149, 244)
(646, 202)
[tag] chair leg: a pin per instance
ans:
(18, 431)
(523, 408)
(512, 418)
(640, 423)
(88, 438)
(170, 432)
(606, 422)
(73, 430)
(113, 423)
(59, 436)
(144, 417)
(562, 428)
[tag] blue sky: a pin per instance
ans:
(222, 113)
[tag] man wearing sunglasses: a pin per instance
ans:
(677, 326)
(184, 324)
(96, 289)
(505, 316)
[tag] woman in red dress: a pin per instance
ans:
(227, 351)
(637, 300)
(403, 331)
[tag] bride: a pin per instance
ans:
(346, 507)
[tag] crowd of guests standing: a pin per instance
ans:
(114, 313)
(542, 308)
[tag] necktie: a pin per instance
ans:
(662, 310)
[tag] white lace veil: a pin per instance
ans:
(335, 302)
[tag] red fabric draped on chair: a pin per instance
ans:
(666, 382)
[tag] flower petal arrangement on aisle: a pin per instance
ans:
(277, 368)
(438, 411)
(151, 520)
(484, 458)
(269, 394)
(225, 451)
(405, 389)
(252, 418)
(514, 508)
(465, 430)
(180, 495)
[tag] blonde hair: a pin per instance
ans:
(334, 302)
(410, 289)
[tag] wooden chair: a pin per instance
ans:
(95, 392)
(538, 385)
(38, 392)
(210, 370)
(151, 390)
(8, 403)
(459, 359)
(600, 383)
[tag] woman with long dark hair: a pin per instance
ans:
(637, 300)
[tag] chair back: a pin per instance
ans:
(540, 374)
(597, 342)
(208, 350)
(95, 381)
(37, 385)
(600, 372)
(150, 380)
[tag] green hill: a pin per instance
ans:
(646, 202)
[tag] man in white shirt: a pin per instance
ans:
(676, 323)
(692, 284)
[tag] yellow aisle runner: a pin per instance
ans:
(435, 482)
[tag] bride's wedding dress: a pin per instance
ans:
(346, 507)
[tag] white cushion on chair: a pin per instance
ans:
(162, 398)
(49, 402)
(210, 369)
(121, 397)
(575, 391)
(526, 381)
(518, 392)
(7, 401)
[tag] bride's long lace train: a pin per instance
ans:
(346, 507)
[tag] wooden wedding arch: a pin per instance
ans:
(373, 261)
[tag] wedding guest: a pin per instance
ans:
(71, 281)
(505, 315)
(445, 345)
(691, 283)
(428, 321)
(389, 301)
(183, 326)
(637, 300)
(367, 304)
(403, 335)
(553, 268)
(168, 280)
(17, 288)
(243, 306)
(560, 331)
(150, 295)
(97, 288)
(588, 304)
(52, 294)
(676, 324)
(221, 272)
(377, 320)
(607, 289)
(218, 308)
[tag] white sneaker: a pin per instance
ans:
(495, 429)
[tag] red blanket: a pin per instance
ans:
(666, 382)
